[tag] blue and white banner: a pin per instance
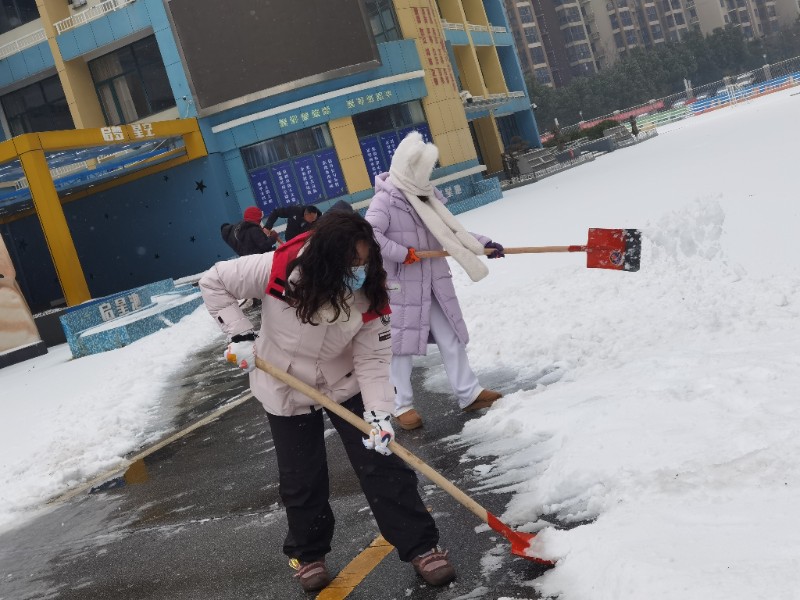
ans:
(305, 170)
(370, 148)
(331, 171)
(263, 190)
(285, 186)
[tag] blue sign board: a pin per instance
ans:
(285, 186)
(305, 171)
(331, 171)
(370, 148)
(389, 142)
(261, 184)
(422, 128)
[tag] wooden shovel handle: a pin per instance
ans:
(360, 424)
(518, 250)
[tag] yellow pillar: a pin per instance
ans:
(420, 20)
(491, 143)
(351, 159)
(52, 219)
(492, 71)
(76, 80)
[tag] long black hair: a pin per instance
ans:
(327, 266)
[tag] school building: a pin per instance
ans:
(134, 128)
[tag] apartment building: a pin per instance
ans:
(561, 39)
(307, 114)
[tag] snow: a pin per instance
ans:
(657, 413)
(65, 420)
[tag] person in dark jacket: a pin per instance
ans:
(342, 205)
(299, 219)
(247, 237)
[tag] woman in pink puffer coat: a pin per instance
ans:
(407, 213)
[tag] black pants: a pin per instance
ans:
(389, 485)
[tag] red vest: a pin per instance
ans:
(285, 254)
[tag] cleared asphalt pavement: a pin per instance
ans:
(201, 517)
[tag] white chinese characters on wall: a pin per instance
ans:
(119, 307)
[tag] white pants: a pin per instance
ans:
(454, 356)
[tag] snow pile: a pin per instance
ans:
(65, 421)
(669, 443)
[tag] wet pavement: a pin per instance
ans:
(201, 517)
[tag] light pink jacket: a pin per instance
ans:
(338, 359)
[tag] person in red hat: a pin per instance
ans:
(248, 237)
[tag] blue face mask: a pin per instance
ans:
(358, 277)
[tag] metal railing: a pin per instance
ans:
(473, 27)
(699, 100)
(90, 14)
(498, 29)
(448, 25)
(26, 41)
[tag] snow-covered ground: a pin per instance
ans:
(669, 426)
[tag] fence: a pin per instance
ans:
(701, 99)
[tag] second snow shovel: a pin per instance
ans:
(520, 542)
(617, 249)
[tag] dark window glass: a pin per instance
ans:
(525, 14)
(286, 146)
(382, 20)
(386, 119)
(14, 13)
(301, 148)
(531, 35)
(132, 82)
(38, 107)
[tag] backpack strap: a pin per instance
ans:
(286, 253)
(381, 313)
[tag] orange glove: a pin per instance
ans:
(411, 257)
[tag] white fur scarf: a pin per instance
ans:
(458, 242)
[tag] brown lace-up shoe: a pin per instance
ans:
(484, 399)
(409, 420)
(434, 567)
(313, 576)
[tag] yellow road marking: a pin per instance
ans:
(123, 466)
(355, 572)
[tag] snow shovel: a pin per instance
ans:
(617, 249)
(520, 542)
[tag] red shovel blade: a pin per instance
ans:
(520, 542)
(618, 249)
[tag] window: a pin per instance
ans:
(618, 40)
(531, 35)
(614, 21)
(627, 21)
(14, 13)
(679, 19)
(297, 168)
(398, 116)
(538, 55)
(651, 13)
(132, 82)
(380, 131)
(37, 107)
(382, 20)
(574, 34)
(286, 146)
(543, 76)
(525, 14)
(657, 33)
